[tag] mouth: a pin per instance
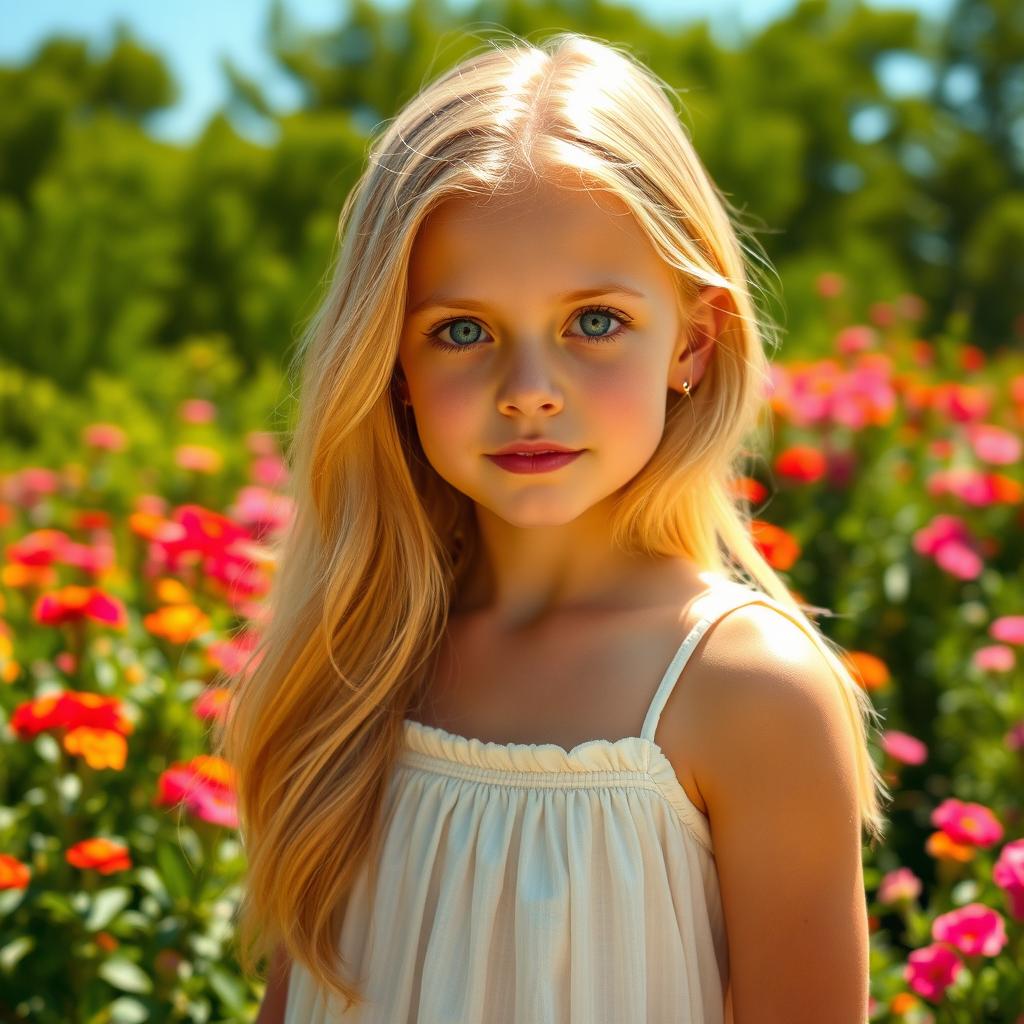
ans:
(534, 462)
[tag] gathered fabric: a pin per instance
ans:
(524, 883)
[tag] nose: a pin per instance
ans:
(527, 386)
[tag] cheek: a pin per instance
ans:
(448, 416)
(625, 408)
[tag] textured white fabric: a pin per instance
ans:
(528, 884)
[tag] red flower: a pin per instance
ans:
(801, 462)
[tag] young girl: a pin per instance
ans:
(475, 783)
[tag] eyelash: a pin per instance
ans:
(432, 334)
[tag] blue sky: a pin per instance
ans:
(193, 34)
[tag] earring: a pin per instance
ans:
(686, 387)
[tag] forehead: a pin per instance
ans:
(545, 231)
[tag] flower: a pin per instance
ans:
(904, 748)
(1008, 874)
(779, 548)
(975, 930)
(1008, 628)
(74, 603)
(993, 444)
(205, 785)
(801, 462)
(973, 824)
(14, 874)
(101, 748)
(994, 658)
(899, 886)
(102, 855)
(868, 669)
(929, 971)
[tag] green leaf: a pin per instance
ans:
(125, 975)
(174, 871)
(14, 951)
(229, 987)
(127, 1011)
(105, 905)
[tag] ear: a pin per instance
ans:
(708, 317)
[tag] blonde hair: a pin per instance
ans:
(380, 543)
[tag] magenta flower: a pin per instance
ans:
(975, 930)
(994, 658)
(899, 886)
(1008, 874)
(950, 543)
(971, 824)
(904, 748)
(1008, 628)
(931, 970)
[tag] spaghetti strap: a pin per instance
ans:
(724, 596)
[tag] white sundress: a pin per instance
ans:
(524, 883)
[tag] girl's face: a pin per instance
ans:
(495, 347)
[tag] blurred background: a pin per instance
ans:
(170, 182)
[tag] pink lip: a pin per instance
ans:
(534, 463)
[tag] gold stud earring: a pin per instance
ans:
(686, 387)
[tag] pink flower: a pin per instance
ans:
(995, 445)
(972, 824)
(105, 436)
(950, 543)
(1008, 628)
(1008, 874)
(261, 510)
(856, 339)
(197, 410)
(994, 658)
(898, 886)
(931, 970)
(975, 930)
(904, 748)
(269, 470)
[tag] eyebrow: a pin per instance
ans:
(609, 288)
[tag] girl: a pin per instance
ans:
(474, 782)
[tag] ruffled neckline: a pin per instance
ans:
(631, 753)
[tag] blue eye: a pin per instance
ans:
(466, 337)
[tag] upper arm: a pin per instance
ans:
(276, 995)
(778, 776)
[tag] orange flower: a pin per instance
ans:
(106, 942)
(779, 547)
(13, 873)
(102, 855)
(178, 623)
(101, 748)
(870, 671)
(942, 847)
(903, 1003)
(18, 575)
(172, 591)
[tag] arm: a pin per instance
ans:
(778, 780)
(276, 995)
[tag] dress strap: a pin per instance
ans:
(724, 596)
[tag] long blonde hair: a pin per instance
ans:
(380, 543)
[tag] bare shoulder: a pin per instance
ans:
(756, 665)
(775, 763)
